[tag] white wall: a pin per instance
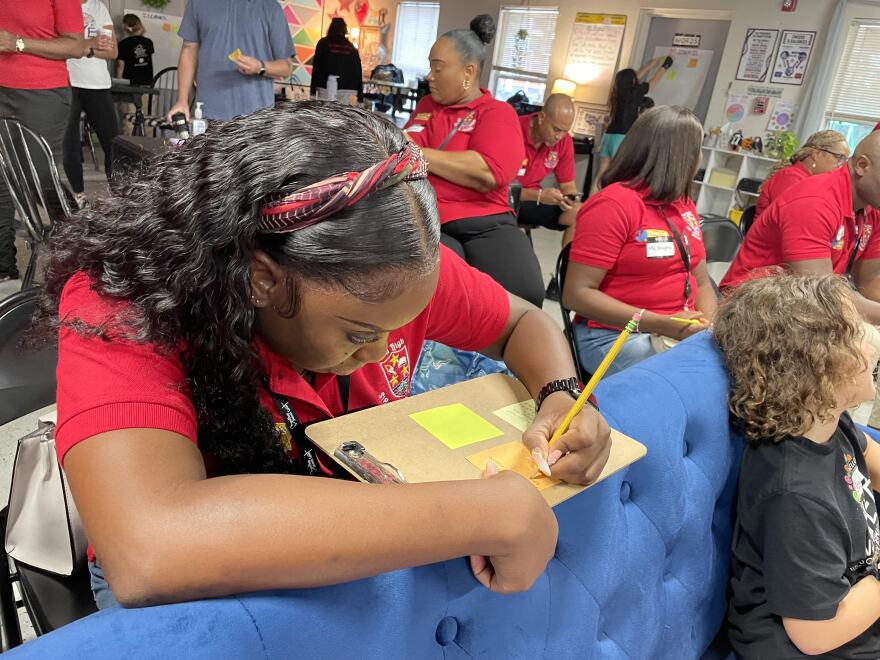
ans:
(117, 7)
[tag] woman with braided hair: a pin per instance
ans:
(243, 287)
(822, 152)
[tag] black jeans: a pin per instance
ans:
(101, 113)
(45, 112)
(496, 246)
(540, 215)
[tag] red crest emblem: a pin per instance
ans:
(551, 160)
(397, 368)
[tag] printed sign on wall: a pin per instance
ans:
(793, 57)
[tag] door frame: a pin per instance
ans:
(643, 26)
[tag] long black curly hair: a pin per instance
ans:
(175, 242)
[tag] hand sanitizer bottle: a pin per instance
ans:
(332, 87)
(199, 124)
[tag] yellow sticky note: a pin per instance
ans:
(693, 63)
(234, 55)
(513, 456)
(518, 415)
(455, 425)
(671, 75)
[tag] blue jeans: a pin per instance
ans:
(594, 343)
(104, 598)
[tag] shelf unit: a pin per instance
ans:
(719, 200)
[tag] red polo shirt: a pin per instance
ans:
(38, 19)
(491, 129)
(813, 219)
(106, 386)
(621, 232)
(781, 181)
(538, 163)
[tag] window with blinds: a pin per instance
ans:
(522, 51)
(415, 31)
(854, 103)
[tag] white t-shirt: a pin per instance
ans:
(91, 72)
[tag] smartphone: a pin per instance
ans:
(576, 197)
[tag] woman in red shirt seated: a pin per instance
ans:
(245, 287)
(638, 244)
(474, 148)
(822, 152)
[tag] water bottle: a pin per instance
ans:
(199, 124)
(332, 87)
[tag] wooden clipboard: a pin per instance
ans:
(391, 435)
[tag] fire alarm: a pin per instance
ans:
(789, 5)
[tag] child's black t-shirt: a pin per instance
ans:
(806, 532)
(137, 54)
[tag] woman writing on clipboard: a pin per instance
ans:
(474, 148)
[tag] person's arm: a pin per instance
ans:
(705, 299)
(186, 73)
(65, 46)
(647, 67)
(250, 66)
(534, 349)
(857, 612)
(582, 295)
(465, 168)
(105, 46)
(257, 532)
(864, 274)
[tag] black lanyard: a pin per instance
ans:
(302, 451)
(684, 251)
(860, 218)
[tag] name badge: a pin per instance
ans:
(417, 128)
(521, 172)
(660, 249)
(423, 116)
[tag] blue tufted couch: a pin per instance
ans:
(640, 570)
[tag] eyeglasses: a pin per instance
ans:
(841, 158)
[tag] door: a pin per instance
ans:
(691, 78)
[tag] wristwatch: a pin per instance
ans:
(19, 45)
(570, 385)
(262, 71)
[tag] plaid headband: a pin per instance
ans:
(287, 212)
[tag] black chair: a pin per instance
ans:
(37, 193)
(747, 219)
(721, 237)
(567, 321)
(159, 104)
(27, 383)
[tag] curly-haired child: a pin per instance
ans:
(804, 575)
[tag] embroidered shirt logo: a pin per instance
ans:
(862, 492)
(693, 225)
(552, 160)
(866, 237)
(837, 243)
(396, 367)
(469, 123)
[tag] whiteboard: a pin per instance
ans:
(593, 53)
(162, 29)
(683, 83)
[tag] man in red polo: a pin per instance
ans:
(823, 224)
(549, 149)
(36, 39)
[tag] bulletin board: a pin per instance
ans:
(593, 54)
(162, 30)
(683, 83)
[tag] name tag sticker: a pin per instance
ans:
(417, 128)
(423, 116)
(660, 249)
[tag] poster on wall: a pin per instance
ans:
(757, 54)
(735, 110)
(782, 118)
(793, 57)
(369, 41)
(593, 53)
(588, 121)
(683, 82)
(304, 21)
(162, 30)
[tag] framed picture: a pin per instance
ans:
(369, 41)
(793, 57)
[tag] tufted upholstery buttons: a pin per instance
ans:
(447, 629)
(624, 491)
(687, 449)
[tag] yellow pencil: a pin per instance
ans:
(631, 326)
(688, 321)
